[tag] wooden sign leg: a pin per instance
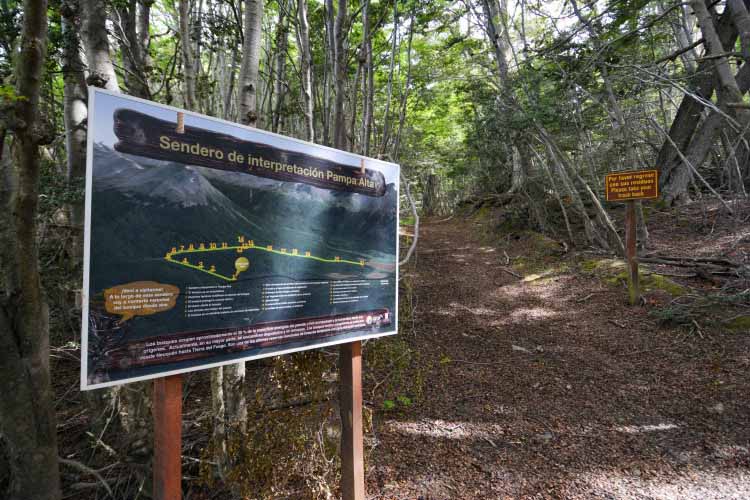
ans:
(167, 408)
(352, 443)
(630, 251)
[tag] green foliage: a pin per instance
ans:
(10, 29)
(56, 192)
(8, 94)
(404, 400)
(401, 401)
(407, 221)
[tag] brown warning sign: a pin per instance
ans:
(632, 185)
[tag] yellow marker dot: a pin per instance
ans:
(241, 264)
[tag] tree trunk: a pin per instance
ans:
(674, 175)
(186, 45)
(367, 79)
(96, 44)
(675, 180)
(305, 64)
(228, 96)
(492, 13)
(144, 37)
(75, 113)
(340, 72)
(684, 37)
(279, 89)
(728, 90)
(356, 84)
(741, 21)
(134, 76)
(133, 403)
(404, 93)
(328, 72)
(389, 86)
(218, 408)
(248, 82)
(430, 195)
(518, 174)
(28, 426)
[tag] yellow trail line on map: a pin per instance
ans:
(239, 249)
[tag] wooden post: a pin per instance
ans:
(167, 408)
(630, 253)
(180, 128)
(352, 443)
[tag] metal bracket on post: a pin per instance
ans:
(352, 442)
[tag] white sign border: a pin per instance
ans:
(85, 386)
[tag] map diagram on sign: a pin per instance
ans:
(180, 256)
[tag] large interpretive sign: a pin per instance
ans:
(208, 242)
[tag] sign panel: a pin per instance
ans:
(220, 243)
(632, 185)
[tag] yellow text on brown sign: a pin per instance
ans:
(632, 185)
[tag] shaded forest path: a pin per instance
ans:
(554, 388)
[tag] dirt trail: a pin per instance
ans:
(556, 389)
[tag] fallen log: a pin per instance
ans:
(704, 267)
(701, 260)
(682, 263)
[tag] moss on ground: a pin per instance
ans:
(614, 272)
(541, 244)
(589, 265)
(739, 324)
(483, 212)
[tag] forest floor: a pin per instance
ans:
(520, 371)
(553, 386)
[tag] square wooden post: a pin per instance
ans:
(167, 408)
(630, 252)
(352, 442)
